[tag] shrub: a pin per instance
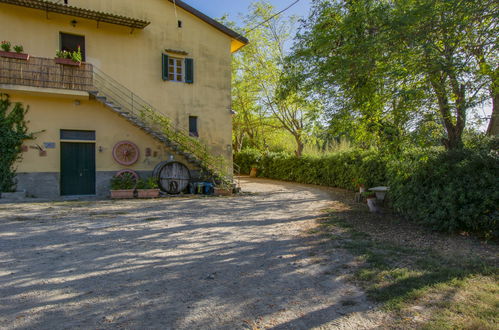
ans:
(449, 191)
(342, 169)
(445, 190)
(13, 131)
(246, 159)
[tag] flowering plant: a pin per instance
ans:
(62, 54)
(76, 56)
(5, 45)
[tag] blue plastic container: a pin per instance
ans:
(209, 188)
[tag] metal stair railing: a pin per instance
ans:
(129, 102)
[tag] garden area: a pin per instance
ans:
(401, 94)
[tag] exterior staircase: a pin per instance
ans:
(138, 112)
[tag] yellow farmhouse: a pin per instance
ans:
(154, 85)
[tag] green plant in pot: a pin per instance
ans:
(9, 51)
(65, 57)
(148, 188)
(123, 186)
(5, 45)
(18, 49)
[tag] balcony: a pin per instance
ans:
(41, 72)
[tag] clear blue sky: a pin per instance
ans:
(217, 8)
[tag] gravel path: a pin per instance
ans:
(242, 262)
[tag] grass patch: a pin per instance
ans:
(421, 287)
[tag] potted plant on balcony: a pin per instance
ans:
(123, 186)
(148, 188)
(17, 53)
(68, 58)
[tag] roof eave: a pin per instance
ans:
(219, 26)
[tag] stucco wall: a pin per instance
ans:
(134, 59)
(48, 115)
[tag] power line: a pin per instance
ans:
(271, 17)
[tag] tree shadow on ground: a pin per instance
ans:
(211, 263)
(402, 266)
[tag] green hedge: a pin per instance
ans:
(447, 191)
(244, 160)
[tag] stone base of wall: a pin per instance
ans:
(46, 184)
(39, 185)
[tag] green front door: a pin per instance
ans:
(77, 168)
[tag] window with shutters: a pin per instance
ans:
(175, 69)
(178, 69)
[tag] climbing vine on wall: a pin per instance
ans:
(216, 164)
(13, 131)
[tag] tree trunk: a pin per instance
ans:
(299, 145)
(454, 132)
(493, 128)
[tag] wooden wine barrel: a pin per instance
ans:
(157, 168)
(173, 177)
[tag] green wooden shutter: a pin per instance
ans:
(189, 70)
(164, 70)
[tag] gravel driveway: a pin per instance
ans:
(240, 262)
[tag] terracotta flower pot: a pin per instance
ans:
(253, 172)
(66, 61)
(19, 56)
(122, 194)
(147, 193)
(223, 192)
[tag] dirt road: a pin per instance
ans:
(181, 263)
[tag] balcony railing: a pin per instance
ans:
(45, 73)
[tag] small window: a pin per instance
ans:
(179, 24)
(175, 69)
(193, 126)
(71, 42)
(77, 135)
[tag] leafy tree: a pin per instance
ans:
(387, 65)
(13, 131)
(258, 68)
